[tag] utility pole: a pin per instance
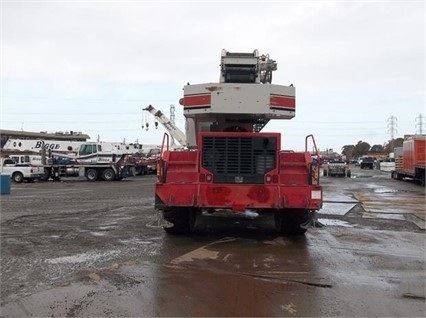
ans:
(392, 129)
(419, 124)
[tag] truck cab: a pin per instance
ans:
(367, 163)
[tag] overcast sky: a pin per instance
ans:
(91, 66)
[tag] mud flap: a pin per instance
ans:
(312, 221)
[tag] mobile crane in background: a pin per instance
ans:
(94, 160)
(227, 163)
(168, 124)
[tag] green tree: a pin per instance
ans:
(348, 151)
(393, 143)
(361, 148)
(377, 148)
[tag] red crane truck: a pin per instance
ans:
(412, 163)
(228, 164)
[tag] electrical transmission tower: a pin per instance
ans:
(392, 128)
(419, 124)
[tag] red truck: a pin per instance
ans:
(227, 163)
(411, 163)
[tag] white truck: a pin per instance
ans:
(94, 160)
(337, 167)
(19, 172)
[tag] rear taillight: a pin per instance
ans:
(205, 177)
(271, 179)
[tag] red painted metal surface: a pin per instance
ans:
(414, 152)
(186, 184)
(282, 102)
(196, 101)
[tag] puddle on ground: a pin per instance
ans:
(83, 257)
(386, 216)
(98, 233)
(385, 190)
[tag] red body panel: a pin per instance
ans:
(279, 101)
(198, 100)
(414, 153)
(183, 182)
(239, 197)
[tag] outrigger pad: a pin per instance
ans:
(312, 221)
(159, 222)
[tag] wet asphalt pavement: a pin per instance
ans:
(81, 249)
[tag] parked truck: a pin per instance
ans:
(410, 161)
(227, 163)
(19, 172)
(337, 167)
(93, 161)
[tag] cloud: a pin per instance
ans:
(340, 55)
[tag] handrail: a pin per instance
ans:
(315, 145)
(165, 136)
(314, 166)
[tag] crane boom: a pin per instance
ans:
(176, 133)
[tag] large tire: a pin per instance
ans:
(18, 177)
(325, 173)
(46, 175)
(288, 221)
(183, 220)
(348, 173)
(108, 174)
(92, 175)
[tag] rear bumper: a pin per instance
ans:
(337, 172)
(238, 197)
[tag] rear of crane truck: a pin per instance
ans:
(228, 164)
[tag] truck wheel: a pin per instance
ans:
(348, 173)
(92, 174)
(108, 175)
(183, 220)
(18, 177)
(325, 173)
(46, 175)
(287, 222)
